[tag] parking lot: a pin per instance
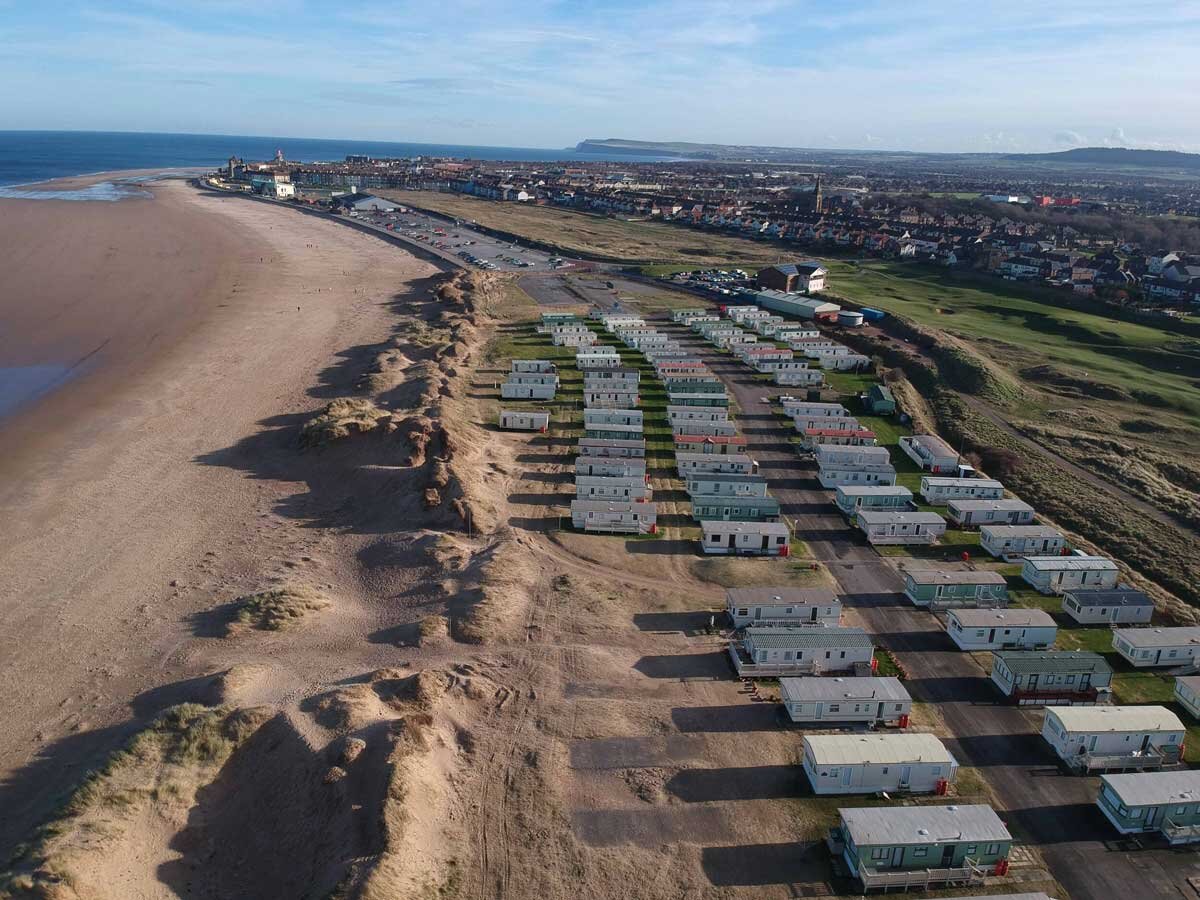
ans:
(463, 244)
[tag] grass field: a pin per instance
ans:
(1022, 329)
(617, 240)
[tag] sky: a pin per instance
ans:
(877, 74)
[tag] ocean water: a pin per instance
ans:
(27, 157)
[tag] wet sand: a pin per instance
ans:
(201, 329)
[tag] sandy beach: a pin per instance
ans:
(130, 504)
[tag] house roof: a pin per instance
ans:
(1024, 662)
(716, 526)
(937, 481)
(1003, 618)
(1121, 596)
(1013, 531)
(885, 749)
(890, 825)
(953, 576)
(889, 516)
(1177, 636)
(778, 638)
(781, 596)
(1108, 719)
(874, 490)
(1155, 788)
(1071, 563)
(865, 687)
(1004, 504)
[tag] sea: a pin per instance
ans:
(28, 157)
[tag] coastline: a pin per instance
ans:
(164, 479)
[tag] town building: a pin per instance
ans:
(871, 763)
(950, 588)
(846, 699)
(744, 538)
(1052, 677)
(1059, 574)
(1121, 605)
(887, 526)
(524, 420)
(773, 651)
(1009, 542)
(782, 606)
(1098, 738)
(1165, 803)
(921, 847)
(1147, 648)
(794, 278)
(614, 516)
(1001, 629)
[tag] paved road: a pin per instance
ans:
(1041, 805)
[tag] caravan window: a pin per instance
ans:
(879, 853)
(993, 849)
(921, 851)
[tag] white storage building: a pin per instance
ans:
(870, 763)
(1059, 574)
(846, 698)
(1095, 738)
(1018, 541)
(782, 606)
(1001, 629)
(1147, 648)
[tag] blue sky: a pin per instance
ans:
(918, 75)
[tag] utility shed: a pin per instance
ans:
(1010, 542)
(880, 401)
(974, 513)
(1163, 802)
(947, 588)
(771, 651)
(1058, 574)
(1096, 738)
(888, 526)
(864, 698)
(1120, 606)
(869, 763)
(782, 606)
(851, 498)
(920, 846)
(1000, 629)
(744, 538)
(939, 490)
(1052, 677)
(1147, 648)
